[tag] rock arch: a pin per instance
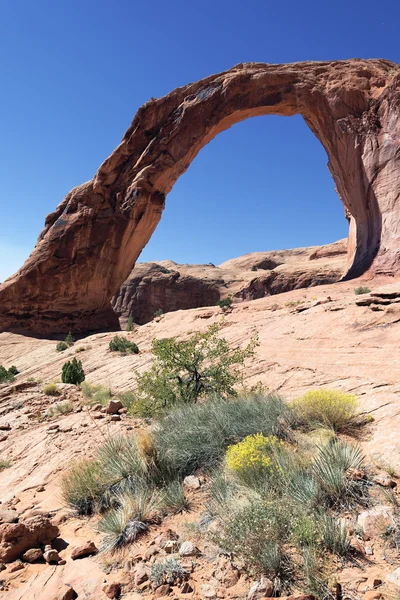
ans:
(90, 243)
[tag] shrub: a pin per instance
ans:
(121, 344)
(13, 370)
(257, 534)
(334, 535)
(327, 408)
(123, 524)
(69, 339)
(183, 372)
(332, 469)
(361, 290)
(129, 323)
(159, 313)
(5, 463)
(62, 408)
(168, 571)
(173, 497)
(122, 464)
(72, 372)
(61, 346)
(81, 486)
(225, 304)
(97, 394)
(6, 375)
(128, 400)
(254, 268)
(51, 389)
(253, 460)
(197, 435)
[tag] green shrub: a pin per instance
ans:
(183, 372)
(13, 370)
(334, 535)
(72, 372)
(361, 290)
(254, 268)
(197, 435)
(225, 304)
(332, 470)
(62, 408)
(51, 389)
(5, 463)
(326, 408)
(121, 344)
(61, 346)
(81, 486)
(128, 400)
(173, 497)
(97, 394)
(159, 313)
(6, 375)
(168, 571)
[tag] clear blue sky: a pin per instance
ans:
(74, 72)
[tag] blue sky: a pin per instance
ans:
(73, 74)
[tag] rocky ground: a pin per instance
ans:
(325, 336)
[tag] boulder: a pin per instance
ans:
(191, 482)
(263, 588)
(32, 555)
(188, 549)
(17, 538)
(375, 521)
(113, 407)
(85, 550)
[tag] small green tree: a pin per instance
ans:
(254, 268)
(129, 323)
(121, 344)
(225, 304)
(69, 339)
(72, 372)
(158, 313)
(6, 376)
(185, 371)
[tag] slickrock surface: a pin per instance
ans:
(168, 286)
(93, 239)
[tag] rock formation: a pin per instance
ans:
(91, 242)
(169, 286)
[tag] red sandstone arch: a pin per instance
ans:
(92, 240)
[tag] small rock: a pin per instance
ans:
(375, 521)
(53, 427)
(32, 555)
(357, 545)
(96, 407)
(41, 488)
(17, 566)
(5, 427)
(394, 577)
(115, 418)
(192, 482)
(171, 546)
(8, 516)
(67, 593)
(113, 590)
(186, 588)
(141, 573)
(162, 590)
(383, 479)
(369, 550)
(355, 474)
(262, 588)
(51, 556)
(372, 595)
(113, 407)
(123, 410)
(3, 438)
(152, 551)
(85, 550)
(188, 549)
(208, 591)
(98, 416)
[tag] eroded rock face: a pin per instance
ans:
(91, 242)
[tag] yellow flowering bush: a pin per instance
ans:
(328, 408)
(254, 453)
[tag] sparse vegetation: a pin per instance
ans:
(225, 304)
(362, 290)
(96, 394)
(5, 463)
(61, 408)
(123, 345)
(67, 343)
(129, 323)
(168, 571)
(326, 408)
(7, 375)
(72, 372)
(254, 268)
(185, 371)
(159, 313)
(51, 389)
